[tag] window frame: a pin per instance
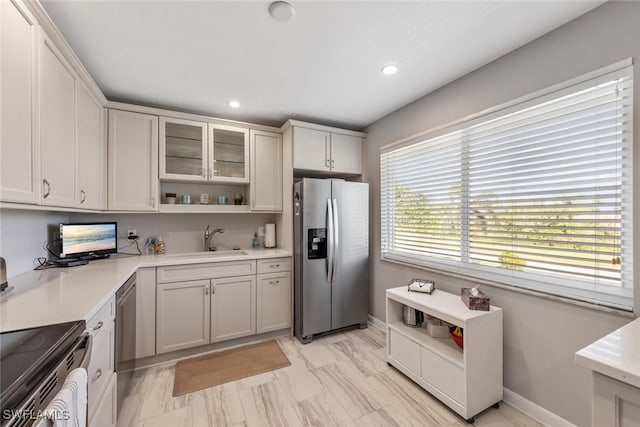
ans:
(579, 292)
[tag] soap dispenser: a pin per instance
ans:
(256, 243)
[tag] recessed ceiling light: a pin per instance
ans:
(389, 70)
(281, 11)
(234, 104)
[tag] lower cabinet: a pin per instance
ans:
(105, 414)
(615, 404)
(233, 307)
(190, 313)
(274, 302)
(183, 315)
(100, 371)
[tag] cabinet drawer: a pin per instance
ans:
(99, 321)
(405, 351)
(212, 270)
(101, 365)
(443, 374)
(274, 265)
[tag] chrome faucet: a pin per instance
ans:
(208, 235)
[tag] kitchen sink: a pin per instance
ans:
(211, 254)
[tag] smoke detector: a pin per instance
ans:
(281, 11)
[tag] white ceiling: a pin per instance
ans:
(322, 66)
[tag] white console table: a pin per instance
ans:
(468, 381)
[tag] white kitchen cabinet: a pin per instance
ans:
(194, 151)
(346, 154)
(274, 302)
(92, 150)
(183, 315)
(228, 154)
(19, 170)
(145, 312)
(326, 152)
(266, 171)
(229, 295)
(102, 363)
(133, 161)
(105, 414)
(183, 150)
(233, 307)
(615, 404)
(468, 381)
(311, 149)
(57, 109)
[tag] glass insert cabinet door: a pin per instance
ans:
(183, 150)
(228, 154)
(198, 151)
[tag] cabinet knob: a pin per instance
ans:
(206, 290)
(153, 202)
(83, 196)
(274, 282)
(274, 265)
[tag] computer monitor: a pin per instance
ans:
(91, 240)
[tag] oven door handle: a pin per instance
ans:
(86, 358)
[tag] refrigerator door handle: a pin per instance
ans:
(330, 256)
(336, 239)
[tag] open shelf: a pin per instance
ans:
(208, 208)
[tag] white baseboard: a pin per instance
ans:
(536, 412)
(377, 323)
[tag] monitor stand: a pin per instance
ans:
(71, 262)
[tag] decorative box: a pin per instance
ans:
(475, 301)
(437, 328)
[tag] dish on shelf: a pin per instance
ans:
(457, 335)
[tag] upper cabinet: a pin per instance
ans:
(200, 152)
(19, 180)
(326, 151)
(57, 128)
(52, 148)
(266, 171)
(183, 150)
(133, 161)
(92, 150)
(228, 154)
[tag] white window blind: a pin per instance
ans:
(537, 196)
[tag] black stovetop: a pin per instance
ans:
(27, 355)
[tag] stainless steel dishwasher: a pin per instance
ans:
(125, 337)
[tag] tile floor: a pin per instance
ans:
(338, 380)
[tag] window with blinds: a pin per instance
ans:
(537, 195)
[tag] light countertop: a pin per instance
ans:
(616, 355)
(60, 295)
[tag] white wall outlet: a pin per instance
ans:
(260, 231)
(131, 233)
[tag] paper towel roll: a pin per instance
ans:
(270, 236)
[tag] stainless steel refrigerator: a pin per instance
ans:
(331, 251)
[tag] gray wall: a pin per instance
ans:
(540, 335)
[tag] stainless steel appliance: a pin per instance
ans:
(125, 337)
(33, 365)
(331, 248)
(4, 284)
(412, 317)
